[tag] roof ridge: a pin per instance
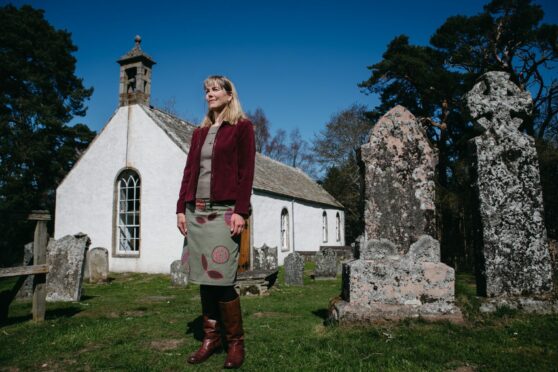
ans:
(283, 164)
(150, 107)
(300, 171)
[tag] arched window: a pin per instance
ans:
(128, 213)
(338, 227)
(285, 230)
(324, 227)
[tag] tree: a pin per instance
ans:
(344, 183)
(276, 147)
(342, 137)
(431, 81)
(337, 149)
(39, 95)
(169, 106)
(507, 36)
(293, 151)
(299, 154)
(261, 128)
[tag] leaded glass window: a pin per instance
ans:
(128, 213)
(324, 227)
(338, 227)
(284, 230)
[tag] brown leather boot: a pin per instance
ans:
(211, 341)
(232, 322)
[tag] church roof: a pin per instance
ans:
(270, 175)
(179, 131)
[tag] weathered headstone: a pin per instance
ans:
(255, 282)
(294, 269)
(553, 249)
(398, 274)
(326, 264)
(512, 244)
(179, 274)
(97, 265)
(390, 286)
(26, 290)
(359, 244)
(66, 261)
(399, 180)
(265, 258)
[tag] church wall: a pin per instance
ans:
(160, 163)
(306, 220)
(85, 200)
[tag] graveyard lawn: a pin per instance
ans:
(140, 322)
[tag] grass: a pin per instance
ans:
(138, 322)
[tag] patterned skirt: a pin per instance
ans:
(210, 251)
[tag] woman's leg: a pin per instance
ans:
(231, 314)
(210, 301)
(211, 329)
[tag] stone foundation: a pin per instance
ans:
(386, 286)
(524, 304)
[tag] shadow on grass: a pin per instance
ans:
(321, 313)
(9, 295)
(108, 280)
(195, 327)
(66, 312)
(9, 291)
(85, 297)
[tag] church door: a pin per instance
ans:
(244, 259)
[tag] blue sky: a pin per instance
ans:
(300, 61)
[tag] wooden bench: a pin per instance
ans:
(39, 269)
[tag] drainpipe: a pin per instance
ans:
(128, 120)
(293, 224)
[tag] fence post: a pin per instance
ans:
(40, 242)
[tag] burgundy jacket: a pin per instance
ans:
(232, 166)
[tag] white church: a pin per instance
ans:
(122, 191)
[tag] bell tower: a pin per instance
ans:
(135, 76)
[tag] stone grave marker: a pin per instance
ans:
(398, 274)
(97, 265)
(179, 274)
(326, 264)
(399, 180)
(392, 286)
(265, 258)
(512, 244)
(26, 290)
(66, 261)
(294, 269)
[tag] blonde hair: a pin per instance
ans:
(232, 113)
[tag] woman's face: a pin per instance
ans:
(217, 98)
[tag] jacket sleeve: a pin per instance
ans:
(246, 163)
(181, 202)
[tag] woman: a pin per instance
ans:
(212, 208)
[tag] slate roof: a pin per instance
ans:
(179, 131)
(270, 175)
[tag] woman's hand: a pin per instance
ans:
(237, 224)
(181, 223)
